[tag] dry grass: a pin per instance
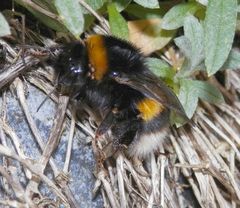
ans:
(203, 158)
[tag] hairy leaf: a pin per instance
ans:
(220, 24)
(174, 18)
(121, 4)
(160, 68)
(203, 2)
(233, 60)
(71, 13)
(117, 23)
(193, 31)
(184, 45)
(149, 4)
(192, 90)
(144, 13)
(95, 4)
(4, 27)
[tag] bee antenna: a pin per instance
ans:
(54, 88)
(45, 99)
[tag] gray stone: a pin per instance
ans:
(82, 160)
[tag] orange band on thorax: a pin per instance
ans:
(149, 108)
(97, 54)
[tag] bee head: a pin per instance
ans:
(72, 67)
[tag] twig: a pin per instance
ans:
(47, 88)
(185, 172)
(136, 178)
(51, 144)
(108, 189)
(34, 129)
(224, 136)
(34, 168)
(162, 177)
(232, 169)
(224, 167)
(150, 200)
(223, 123)
(69, 146)
(13, 203)
(229, 110)
(56, 131)
(16, 186)
(13, 71)
(9, 131)
(105, 199)
(20, 92)
(155, 176)
(101, 20)
(122, 194)
(40, 9)
(10, 50)
(220, 200)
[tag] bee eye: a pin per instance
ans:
(76, 69)
(115, 74)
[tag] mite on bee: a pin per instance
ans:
(110, 75)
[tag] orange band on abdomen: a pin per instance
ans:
(149, 108)
(97, 54)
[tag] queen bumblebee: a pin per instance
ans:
(110, 75)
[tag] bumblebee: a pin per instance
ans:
(110, 75)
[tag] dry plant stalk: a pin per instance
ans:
(202, 159)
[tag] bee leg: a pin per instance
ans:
(124, 132)
(106, 124)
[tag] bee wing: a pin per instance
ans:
(154, 88)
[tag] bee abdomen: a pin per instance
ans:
(145, 143)
(149, 108)
(153, 129)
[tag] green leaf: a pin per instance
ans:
(144, 13)
(233, 60)
(176, 119)
(220, 24)
(46, 4)
(117, 23)
(4, 27)
(160, 68)
(49, 22)
(121, 4)
(209, 92)
(192, 90)
(193, 31)
(184, 45)
(94, 4)
(149, 4)
(46, 20)
(174, 18)
(191, 44)
(88, 21)
(188, 96)
(203, 2)
(71, 13)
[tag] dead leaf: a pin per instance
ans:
(148, 35)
